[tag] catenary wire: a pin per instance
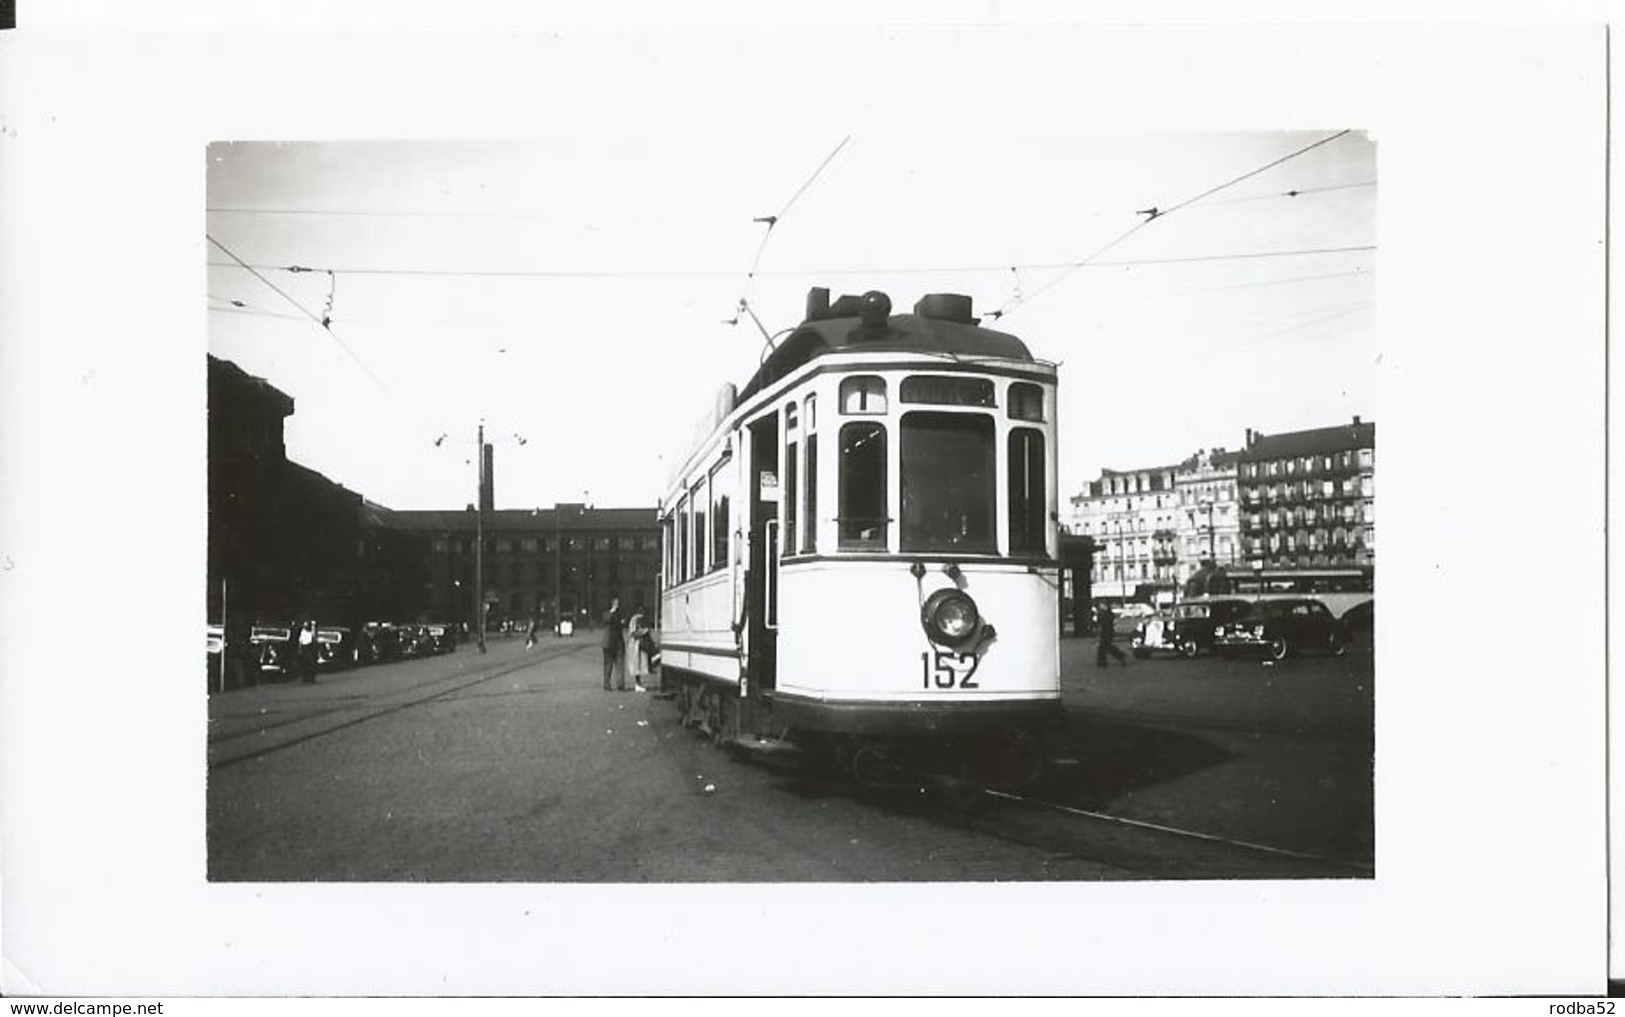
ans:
(324, 326)
(796, 272)
(1152, 215)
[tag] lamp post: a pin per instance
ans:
(479, 538)
(481, 479)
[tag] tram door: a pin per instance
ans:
(762, 574)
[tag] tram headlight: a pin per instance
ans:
(950, 617)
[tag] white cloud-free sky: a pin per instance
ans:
(574, 290)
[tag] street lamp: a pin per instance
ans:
(479, 528)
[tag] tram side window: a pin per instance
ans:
(682, 541)
(809, 538)
(719, 520)
(1027, 491)
(791, 462)
(862, 521)
(947, 482)
(699, 498)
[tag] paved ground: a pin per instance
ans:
(538, 775)
(515, 765)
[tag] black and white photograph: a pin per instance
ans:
(496, 431)
(846, 506)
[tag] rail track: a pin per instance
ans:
(249, 739)
(1149, 850)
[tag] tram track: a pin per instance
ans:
(1151, 850)
(321, 722)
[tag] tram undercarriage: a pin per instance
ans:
(1002, 757)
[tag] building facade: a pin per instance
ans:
(1210, 515)
(1308, 498)
(1295, 500)
(1134, 518)
(285, 542)
(571, 558)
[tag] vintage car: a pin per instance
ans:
(272, 649)
(1126, 618)
(378, 643)
(416, 641)
(215, 648)
(335, 647)
(1281, 627)
(1185, 629)
(441, 638)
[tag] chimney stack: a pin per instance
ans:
(487, 481)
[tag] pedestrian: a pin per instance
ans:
(1105, 620)
(614, 644)
(638, 644)
(535, 625)
(306, 652)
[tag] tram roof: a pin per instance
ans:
(901, 333)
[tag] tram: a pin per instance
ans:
(861, 549)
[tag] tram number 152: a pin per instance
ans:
(945, 669)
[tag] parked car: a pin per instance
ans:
(1185, 629)
(273, 648)
(1361, 617)
(335, 647)
(214, 648)
(1281, 627)
(1126, 618)
(441, 638)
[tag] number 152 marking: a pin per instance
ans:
(945, 669)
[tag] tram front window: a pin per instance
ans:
(863, 487)
(947, 482)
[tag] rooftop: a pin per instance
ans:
(539, 520)
(1316, 441)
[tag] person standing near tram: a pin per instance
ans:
(1107, 622)
(614, 644)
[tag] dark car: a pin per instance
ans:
(335, 647)
(1185, 629)
(215, 647)
(441, 637)
(1282, 627)
(273, 648)
(378, 643)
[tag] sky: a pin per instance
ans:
(578, 294)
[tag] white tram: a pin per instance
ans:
(861, 553)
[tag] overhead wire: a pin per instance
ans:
(1154, 213)
(772, 221)
(795, 272)
(325, 325)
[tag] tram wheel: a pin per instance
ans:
(871, 765)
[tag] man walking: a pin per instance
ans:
(1106, 620)
(614, 643)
